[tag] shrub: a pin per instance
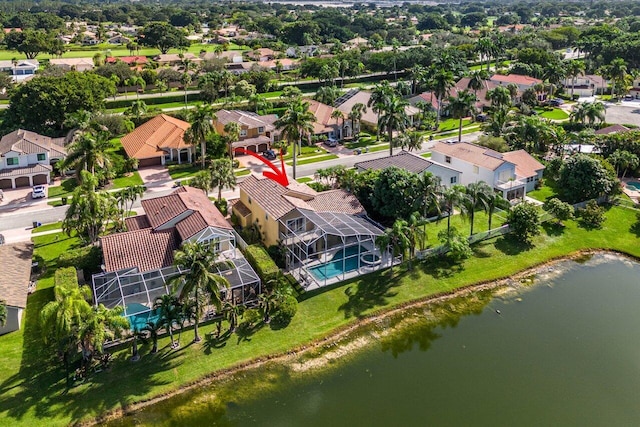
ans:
(559, 209)
(116, 124)
(277, 253)
(261, 262)
(319, 186)
(524, 221)
(285, 311)
(87, 259)
(222, 206)
(66, 277)
(592, 216)
(458, 245)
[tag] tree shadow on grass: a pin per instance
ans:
(441, 267)
(246, 331)
(635, 228)
(480, 250)
(212, 341)
(369, 292)
(553, 229)
(510, 246)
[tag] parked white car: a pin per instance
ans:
(38, 192)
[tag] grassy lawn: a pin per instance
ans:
(47, 227)
(65, 188)
(426, 155)
(304, 179)
(126, 181)
(182, 171)
(555, 114)
(314, 159)
(544, 193)
(452, 124)
(307, 151)
(242, 172)
(33, 391)
(466, 131)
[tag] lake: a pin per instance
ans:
(563, 349)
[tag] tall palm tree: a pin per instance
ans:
(452, 198)
(443, 81)
(222, 175)
(594, 111)
(486, 48)
(415, 234)
(477, 81)
(355, 115)
(200, 128)
(296, 123)
(494, 201)
(477, 194)
(232, 134)
(394, 239)
(199, 285)
(338, 115)
(394, 117)
(462, 106)
(617, 72)
(202, 181)
(380, 96)
(169, 309)
(499, 97)
(574, 68)
(87, 152)
(139, 82)
(185, 80)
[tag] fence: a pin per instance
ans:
(478, 237)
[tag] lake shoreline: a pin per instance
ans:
(337, 335)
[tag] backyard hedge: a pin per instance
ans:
(261, 262)
(65, 277)
(86, 259)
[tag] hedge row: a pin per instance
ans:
(87, 259)
(65, 278)
(178, 97)
(261, 262)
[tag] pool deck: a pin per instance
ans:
(629, 191)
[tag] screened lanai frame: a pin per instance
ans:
(130, 287)
(303, 251)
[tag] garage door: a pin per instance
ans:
(40, 179)
(5, 183)
(23, 181)
(150, 162)
(262, 148)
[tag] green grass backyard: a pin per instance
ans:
(555, 114)
(307, 151)
(32, 390)
(68, 185)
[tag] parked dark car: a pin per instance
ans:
(556, 102)
(331, 142)
(269, 155)
(482, 117)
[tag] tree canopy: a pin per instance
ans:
(163, 36)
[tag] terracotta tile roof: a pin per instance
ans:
(129, 59)
(240, 208)
(322, 112)
(336, 201)
(526, 164)
(138, 222)
(149, 139)
(195, 200)
(27, 142)
(25, 171)
(402, 160)
(612, 129)
(191, 225)
(145, 249)
(516, 79)
(245, 119)
(278, 201)
(72, 62)
(15, 273)
(463, 84)
(471, 153)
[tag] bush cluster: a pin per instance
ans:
(87, 259)
(261, 262)
(65, 277)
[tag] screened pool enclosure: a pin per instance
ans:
(323, 248)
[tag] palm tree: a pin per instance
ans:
(394, 117)
(411, 141)
(574, 69)
(222, 175)
(452, 198)
(202, 181)
(200, 128)
(169, 309)
(578, 113)
(338, 115)
(380, 96)
(296, 122)
(594, 111)
(153, 329)
(232, 134)
(99, 325)
(416, 235)
(477, 194)
(355, 115)
(616, 71)
(136, 81)
(232, 311)
(127, 197)
(494, 201)
(442, 80)
(395, 239)
(3, 312)
(87, 152)
(327, 94)
(185, 80)
(199, 284)
(461, 106)
(486, 48)
(138, 108)
(499, 97)
(477, 81)
(625, 160)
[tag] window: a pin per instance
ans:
(261, 129)
(41, 157)
(243, 132)
(12, 161)
(476, 169)
(249, 200)
(454, 179)
(296, 225)
(447, 159)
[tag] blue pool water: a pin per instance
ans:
(337, 265)
(139, 315)
(635, 185)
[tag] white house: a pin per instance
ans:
(26, 158)
(15, 275)
(20, 70)
(586, 85)
(512, 174)
(119, 39)
(413, 163)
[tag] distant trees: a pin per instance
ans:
(30, 42)
(163, 36)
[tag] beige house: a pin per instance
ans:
(15, 282)
(73, 64)
(256, 132)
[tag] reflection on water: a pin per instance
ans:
(564, 352)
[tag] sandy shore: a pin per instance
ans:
(335, 337)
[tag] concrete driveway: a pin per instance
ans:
(156, 178)
(627, 112)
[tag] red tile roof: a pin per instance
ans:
(128, 59)
(149, 139)
(138, 222)
(324, 122)
(145, 249)
(516, 79)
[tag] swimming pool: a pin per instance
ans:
(633, 185)
(343, 261)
